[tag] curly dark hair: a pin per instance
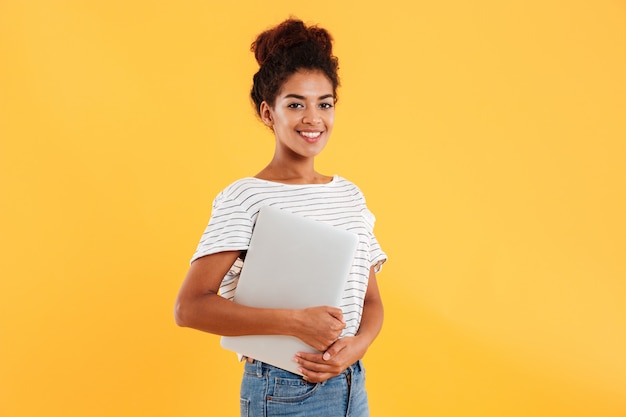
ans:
(283, 50)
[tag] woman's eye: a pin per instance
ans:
(326, 105)
(295, 106)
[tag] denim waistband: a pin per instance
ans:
(263, 368)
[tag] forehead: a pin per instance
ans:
(307, 83)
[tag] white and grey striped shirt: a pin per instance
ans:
(339, 203)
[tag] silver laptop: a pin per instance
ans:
(292, 262)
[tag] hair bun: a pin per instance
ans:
(285, 49)
(290, 33)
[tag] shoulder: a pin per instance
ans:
(242, 186)
(249, 194)
(348, 186)
(344, 182)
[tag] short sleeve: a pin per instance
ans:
(376, 255)
(229, 228)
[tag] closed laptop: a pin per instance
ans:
(292, 262)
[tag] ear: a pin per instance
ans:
(266, 114)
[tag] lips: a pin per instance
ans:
(310, 136)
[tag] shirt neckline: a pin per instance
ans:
(332, 181)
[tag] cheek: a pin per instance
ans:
(330, 121)
(285, 121)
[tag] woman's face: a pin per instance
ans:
(303, 114)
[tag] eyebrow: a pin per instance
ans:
(299, 97)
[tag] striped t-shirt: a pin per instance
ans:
(339, 203)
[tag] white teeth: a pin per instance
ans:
(311, 134)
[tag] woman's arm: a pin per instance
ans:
(344, 352)
(200, 307)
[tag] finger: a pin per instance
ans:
(338, 314)
(314, 377)
(315, 366)
(317, 372)
(307, 359)
(333, 350)
(319, 366)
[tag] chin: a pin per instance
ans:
(313, 152)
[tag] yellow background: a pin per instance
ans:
(489, 138)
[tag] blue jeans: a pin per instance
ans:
(268, 391)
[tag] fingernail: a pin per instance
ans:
(326, 356)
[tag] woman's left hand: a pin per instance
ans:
(318, 367)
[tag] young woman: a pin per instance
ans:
(294, 92)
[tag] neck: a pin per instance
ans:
(293, 173)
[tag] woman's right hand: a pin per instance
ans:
(319, 327)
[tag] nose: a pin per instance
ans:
(312, 117)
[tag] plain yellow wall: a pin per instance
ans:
(488, 136)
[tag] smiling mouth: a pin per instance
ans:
(310, 135)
